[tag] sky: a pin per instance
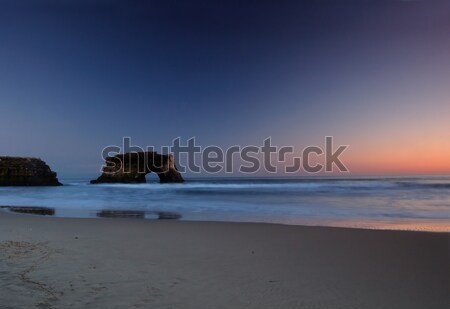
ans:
(76, 76)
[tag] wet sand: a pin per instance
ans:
(129, 263)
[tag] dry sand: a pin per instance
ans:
(118, 263)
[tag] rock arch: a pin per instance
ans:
(133, 166)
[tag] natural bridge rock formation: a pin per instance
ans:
(17, 171)
(132, 168)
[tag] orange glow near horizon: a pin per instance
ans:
(428, 157)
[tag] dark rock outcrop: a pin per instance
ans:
(18, 171)
(132, 168)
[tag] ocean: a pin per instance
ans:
(411, 203)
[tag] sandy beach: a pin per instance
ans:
(124, 263)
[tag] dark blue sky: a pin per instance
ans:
(76, 76)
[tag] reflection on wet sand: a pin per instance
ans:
(105, 213)
(138, 214)
(162, 215)
(42, 211)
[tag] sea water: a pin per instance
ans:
(393, 202)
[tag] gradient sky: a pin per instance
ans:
(76, 76)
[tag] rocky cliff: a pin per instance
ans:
(132, 168)
(17, 171)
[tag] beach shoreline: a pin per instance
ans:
(394, 224)
(49, 262)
